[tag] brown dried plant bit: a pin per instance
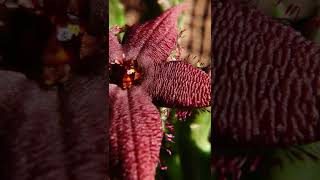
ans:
(193, 60)
(293, 10)
(179, 52)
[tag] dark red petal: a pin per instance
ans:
(34, 148)
(153, 41)
(83, 105)
(56, 133)
(178, 84)
(135, 134)
(115, 49)
(267, 80)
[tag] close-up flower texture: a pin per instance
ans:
(191, 90)
(266, 90)
(144, 76)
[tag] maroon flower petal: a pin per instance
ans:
(135, 134)
(153, 41)
(178, 84)
(267, 79)
(53, 134)
(115, 49)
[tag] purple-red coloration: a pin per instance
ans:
(266, 88)
(135, 135)
(53, 134)
(154, 40)
(115, 49)
(136, 126)
(178, 84)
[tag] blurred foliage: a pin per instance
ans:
(166, 4)
(171, 3)
(296, 163)
(291, 10)
(191, 149)
(116, 13)
(293, 163)
(152, 10)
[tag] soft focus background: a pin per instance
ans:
(186, 150)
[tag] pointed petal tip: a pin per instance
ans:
(135, 134)
(152, 42)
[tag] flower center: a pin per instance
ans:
(125, 75)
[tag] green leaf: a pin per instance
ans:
(169, 3)
(297, 163)
(191, 152)
(200, 129)
(116, 13)
(174, 172)
(194, 146)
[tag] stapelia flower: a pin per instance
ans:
(135, 133)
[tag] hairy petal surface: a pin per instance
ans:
(153, 41)
(135, 134)
(178, 84)
(115, 49)
(267, 80)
